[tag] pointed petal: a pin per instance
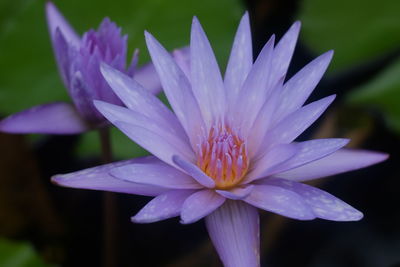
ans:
(147, 77)
(164, 206)
(293, 125)
(182, 58)
(128, 121)
(343, 160)
(240, 60)
(53, 118)
(300, 86)
(62, 54)
(323, 204)
(236, 193)
(157, 173)
(234, 230)
(98, 178)
(193, 171)
(283, 52)
(177, 89)
(56, 20)
(281, 201)
(206, 80)
(273, 158)
(199, 205)
(310, 151)
(138, 99)
(255, 89)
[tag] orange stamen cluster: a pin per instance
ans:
(223, 157)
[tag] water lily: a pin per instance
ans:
(227, 148)
(78, 59)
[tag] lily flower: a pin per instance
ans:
(78, 59)
(227, 148)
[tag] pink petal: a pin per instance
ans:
(323, 204)
(53, 118)
(56, 20)
(98, 178)
(156, 173)
(240, 60)
(234, 229)
(343, 160)
(206, 80)
(194, 171)
(199, 205)
(164, 206)
(281, 201)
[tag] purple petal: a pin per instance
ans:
(63, 58)
(255, 89)
(206, 80)
(147, 77)
(98, 178)
(310, 151)
(157, 173)
(53, 118)
(128, 121)
(199, 205)
(323, 204)
(283, 52)
(138, 99)
(281, 201)
(343, 160)
(240, 60)
(56, 20)
(299, 87)
(182, 58)
(194, 171)
(177, 89)
(164, 206)
(236, 193)
(234, 230)
(293, 125)
(274, 157)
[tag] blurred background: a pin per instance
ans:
(44, 225)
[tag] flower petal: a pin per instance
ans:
(236, 193)
(177, 89)
(53, 118)
(293, 125)
(255, 89)
(199, 205)
(323, 204)
(164, 206)
(56, 20)
(234, 229)
(240, 60)
(128, 120)
(156, 173)
(194, 171)
(98, 178)
(343, 160)
(147, 77)
(281, 201)
(296, 91)
(206, 79)
(283, 52)
(182, 58)
(138, 99)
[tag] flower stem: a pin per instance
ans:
(109, 206)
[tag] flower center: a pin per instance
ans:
(223, 157)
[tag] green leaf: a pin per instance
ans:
(382, 94)
(18, 254)
(357, 30)
(29, 77)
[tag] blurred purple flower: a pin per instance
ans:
(78, 59)
(228, 149)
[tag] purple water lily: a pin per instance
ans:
(78, 59)
(228, 147)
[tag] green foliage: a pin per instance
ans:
(18, 254)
